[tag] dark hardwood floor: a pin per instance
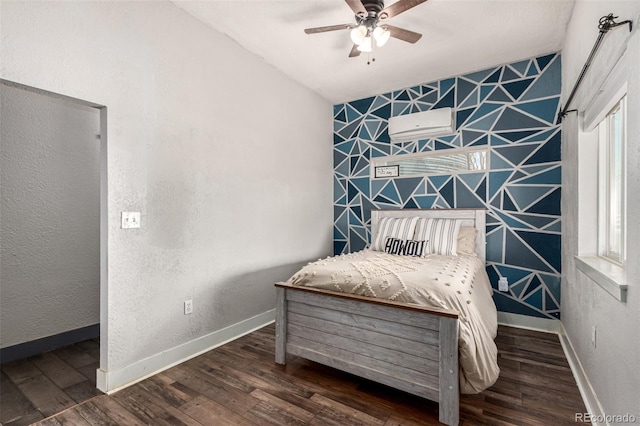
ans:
(41, 386)
(239, 384)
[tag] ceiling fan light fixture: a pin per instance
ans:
(366, 45)
(358, 34)
(371, 24)
(381, 35)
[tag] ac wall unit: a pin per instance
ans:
(422, 125)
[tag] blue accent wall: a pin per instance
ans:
(510, 109)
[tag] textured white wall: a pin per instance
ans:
(613, 367)
(228, 160)
(50, 228)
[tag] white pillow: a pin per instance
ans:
(441, 235)
(467, 240)
(401, 228)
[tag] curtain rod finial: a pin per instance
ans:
(608, 22)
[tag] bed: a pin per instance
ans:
(433, 347)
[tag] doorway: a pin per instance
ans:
(52, 235)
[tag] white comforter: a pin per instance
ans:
(451, 282)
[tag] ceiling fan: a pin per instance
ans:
(370, 24)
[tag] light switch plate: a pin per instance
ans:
(130, 220)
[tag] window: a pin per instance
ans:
(436, 162)
(612, 183)
(601, 196)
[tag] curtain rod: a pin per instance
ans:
(605, 24)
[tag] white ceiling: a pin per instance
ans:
(459, 36)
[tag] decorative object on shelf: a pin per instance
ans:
(387, 171)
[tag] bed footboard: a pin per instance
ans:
(407, 347)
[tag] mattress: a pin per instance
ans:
(458, 283)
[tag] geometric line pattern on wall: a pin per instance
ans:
(511, 110)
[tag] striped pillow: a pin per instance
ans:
(441, 235)
(402, 228)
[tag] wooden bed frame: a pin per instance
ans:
(407, 347)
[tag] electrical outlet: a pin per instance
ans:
(593, 336)
(503, 284)
(188, 307)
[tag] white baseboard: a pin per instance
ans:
(112, 381)
(589, 396)
(555, 326)
(546, 325)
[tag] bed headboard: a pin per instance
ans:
(469, 217)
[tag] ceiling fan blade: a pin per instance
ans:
(402, 34)
(356, 6)
(329, 28)
(398, 7)
(354, 51)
